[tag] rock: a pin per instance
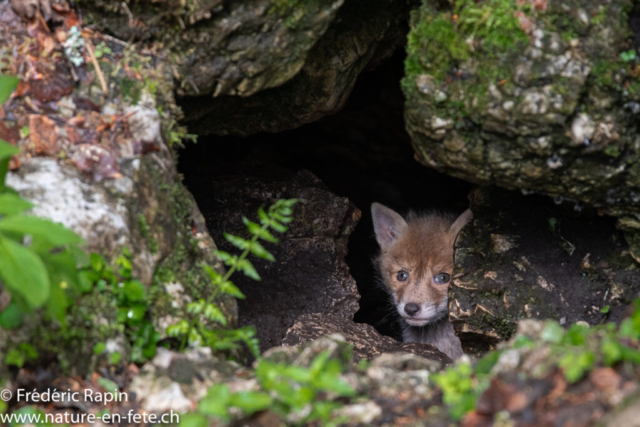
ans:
(367, 342)
(176, 381)
(309, 275)
(539, 101)
(363, 33)
(392, 384)
(100, 163)
(223, 48)
(526, 257)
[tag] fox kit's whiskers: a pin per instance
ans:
(415, 265)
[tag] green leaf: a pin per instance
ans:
(212, 312)
(97, 262)
(258, 250)
(196, 307)
(57, 304)
(62, 270)
(131, 315)
(14, 358)
(7, 150)
(248, 269)
(108, 385)
(12, 204)
(264, 218)
(115, 357)
(281, 218)
(20, 354)
(7, 86)
(277, 226)
(215, 276)
(23, 272)
(43, 230)
(251, 401)
(216, 402)
(99, 348)
(256, 229)
(229, 288)
(319, 362)
(236, 241)
(193, 420)
(552, 332)
(575, 365)
(522, 341)
(486, 364)
(134, 291)
(603, 310)
(11, 317)
(4, 168)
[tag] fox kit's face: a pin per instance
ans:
(416, 261)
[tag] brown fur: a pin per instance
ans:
(423, 247)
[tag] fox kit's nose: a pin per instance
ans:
(411, 308)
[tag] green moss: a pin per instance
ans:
(145, 232)
(441, 41)
(612, 151)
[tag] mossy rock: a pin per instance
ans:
(543, 99)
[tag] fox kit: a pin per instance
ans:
(415, 264)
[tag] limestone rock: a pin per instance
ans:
(543, 99)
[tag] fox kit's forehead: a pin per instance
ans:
(425, 244)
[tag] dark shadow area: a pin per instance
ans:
(362, 153)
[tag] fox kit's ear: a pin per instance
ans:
(387, 224)
(461, 222)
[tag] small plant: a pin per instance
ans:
(288, 390)
(628, 56)
(612, 151)
(461, 385)
(133, 306)
(196, 331)
(101, 50)
(575, 351)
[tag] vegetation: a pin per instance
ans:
(196, 330)
(439, 41)
(576, 351)
(284, 389)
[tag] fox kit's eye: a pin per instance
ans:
(402, 275)
(442, 278)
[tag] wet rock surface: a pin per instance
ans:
(309, 275)
(363, 34)
(525, 257)
(551, 108)
(367, 342)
